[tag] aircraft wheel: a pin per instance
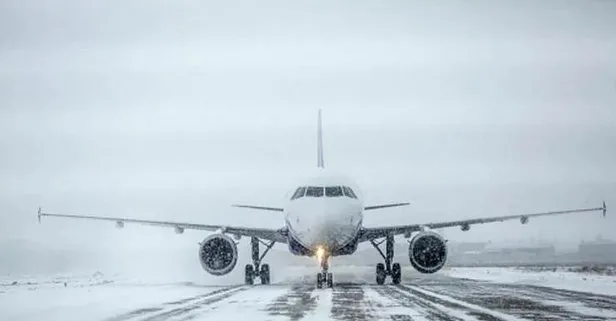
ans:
(249, 272)
(320, 280)
(330, 280)
(396, 273)
(265, 274)
(380, 273)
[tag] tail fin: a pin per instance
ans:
(320, 162)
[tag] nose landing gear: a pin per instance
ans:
(255, 269)
(383, 270)
(324, 277)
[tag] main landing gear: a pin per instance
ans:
(324, 277)
(383, 270)
(255, 269)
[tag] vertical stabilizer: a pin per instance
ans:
(320, 162)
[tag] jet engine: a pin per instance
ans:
(218, 254)
(427, 252)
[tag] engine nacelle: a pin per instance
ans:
(427, 252)
(524, 219)
(218, 254)
(179, 230)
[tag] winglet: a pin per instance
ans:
(320, 161)
(604, 209)
(39, 214)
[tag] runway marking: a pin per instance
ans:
(324, 305)
(295, 303)
(185, 306)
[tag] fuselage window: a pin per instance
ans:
(333, 191)
(314, 191)
(349, 192)
(299, 193)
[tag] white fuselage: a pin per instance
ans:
(325, 222)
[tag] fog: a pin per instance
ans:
(175, 110)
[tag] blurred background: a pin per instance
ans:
(175, 110)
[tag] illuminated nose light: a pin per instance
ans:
(320, 254)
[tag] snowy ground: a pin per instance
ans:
(560, 279)
(454, 294)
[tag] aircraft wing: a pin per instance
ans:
(278, 235)
(372, 233)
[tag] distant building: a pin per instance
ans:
(468, 247)
(599, 250)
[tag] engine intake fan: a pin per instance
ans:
(218, 254)
(427, 252)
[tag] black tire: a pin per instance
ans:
(265, 274)
(330, 280)
(249, 272)
(396, 273)
(380, 273)
(319, 280)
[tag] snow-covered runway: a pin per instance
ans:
(354, 297)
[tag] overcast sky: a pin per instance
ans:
(175, 109)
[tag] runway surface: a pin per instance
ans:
(356, 297)
(434, 298)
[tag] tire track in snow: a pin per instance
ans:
(591, 300)
(425, 307)
(194, 305)
(294, 304)
(526, 301)
(185, 305)
(349, 303)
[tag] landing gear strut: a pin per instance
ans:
(324, 277)
(383, 270)
(255, 269)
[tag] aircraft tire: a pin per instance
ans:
(396, 273)
(380, 273)
(249, 272)
(265, 274)
(320, 280)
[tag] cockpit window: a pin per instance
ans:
(333, 191)
(298, 193)
(349, 192)
(314, 191)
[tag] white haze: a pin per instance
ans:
(175, 109)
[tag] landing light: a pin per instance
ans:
(320, 254)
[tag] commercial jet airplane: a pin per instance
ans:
(323, 218)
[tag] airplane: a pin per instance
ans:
(322, 219)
